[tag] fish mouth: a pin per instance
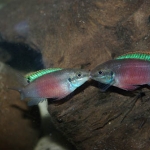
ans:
(93, 75)
(84, 79)
(86, 75)
(95, 78)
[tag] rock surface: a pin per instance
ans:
(83, 34)
(17, 123)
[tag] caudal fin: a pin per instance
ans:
(22, 96)
(32, 101)
(21, 79)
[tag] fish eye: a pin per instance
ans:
(100, 72)
(79, 74)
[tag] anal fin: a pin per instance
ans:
(129, 87)
(35, 101)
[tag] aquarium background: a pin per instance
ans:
(37, 34)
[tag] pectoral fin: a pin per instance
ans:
(104, 87)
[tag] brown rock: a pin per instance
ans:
(84, 34)
(16, 129)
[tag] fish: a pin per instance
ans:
(127, 74)
(56, 84)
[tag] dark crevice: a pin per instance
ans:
(20, 56)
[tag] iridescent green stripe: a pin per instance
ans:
(135, 55)
(34, 75)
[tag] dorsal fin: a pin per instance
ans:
(136, 55)
(34, 75)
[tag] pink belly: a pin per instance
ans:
(47, 87)
(134, 74)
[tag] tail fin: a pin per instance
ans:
(32, 101)
(21, 79)
(20, 91)
(21, 82)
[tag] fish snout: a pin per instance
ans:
(87, 75)
(93, 75)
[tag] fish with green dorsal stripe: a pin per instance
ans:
(34, 75)
(55, 83)
(136, 55)
(127, 71)
(127, 74)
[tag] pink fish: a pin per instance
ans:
(57, 85)
(127, 74)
